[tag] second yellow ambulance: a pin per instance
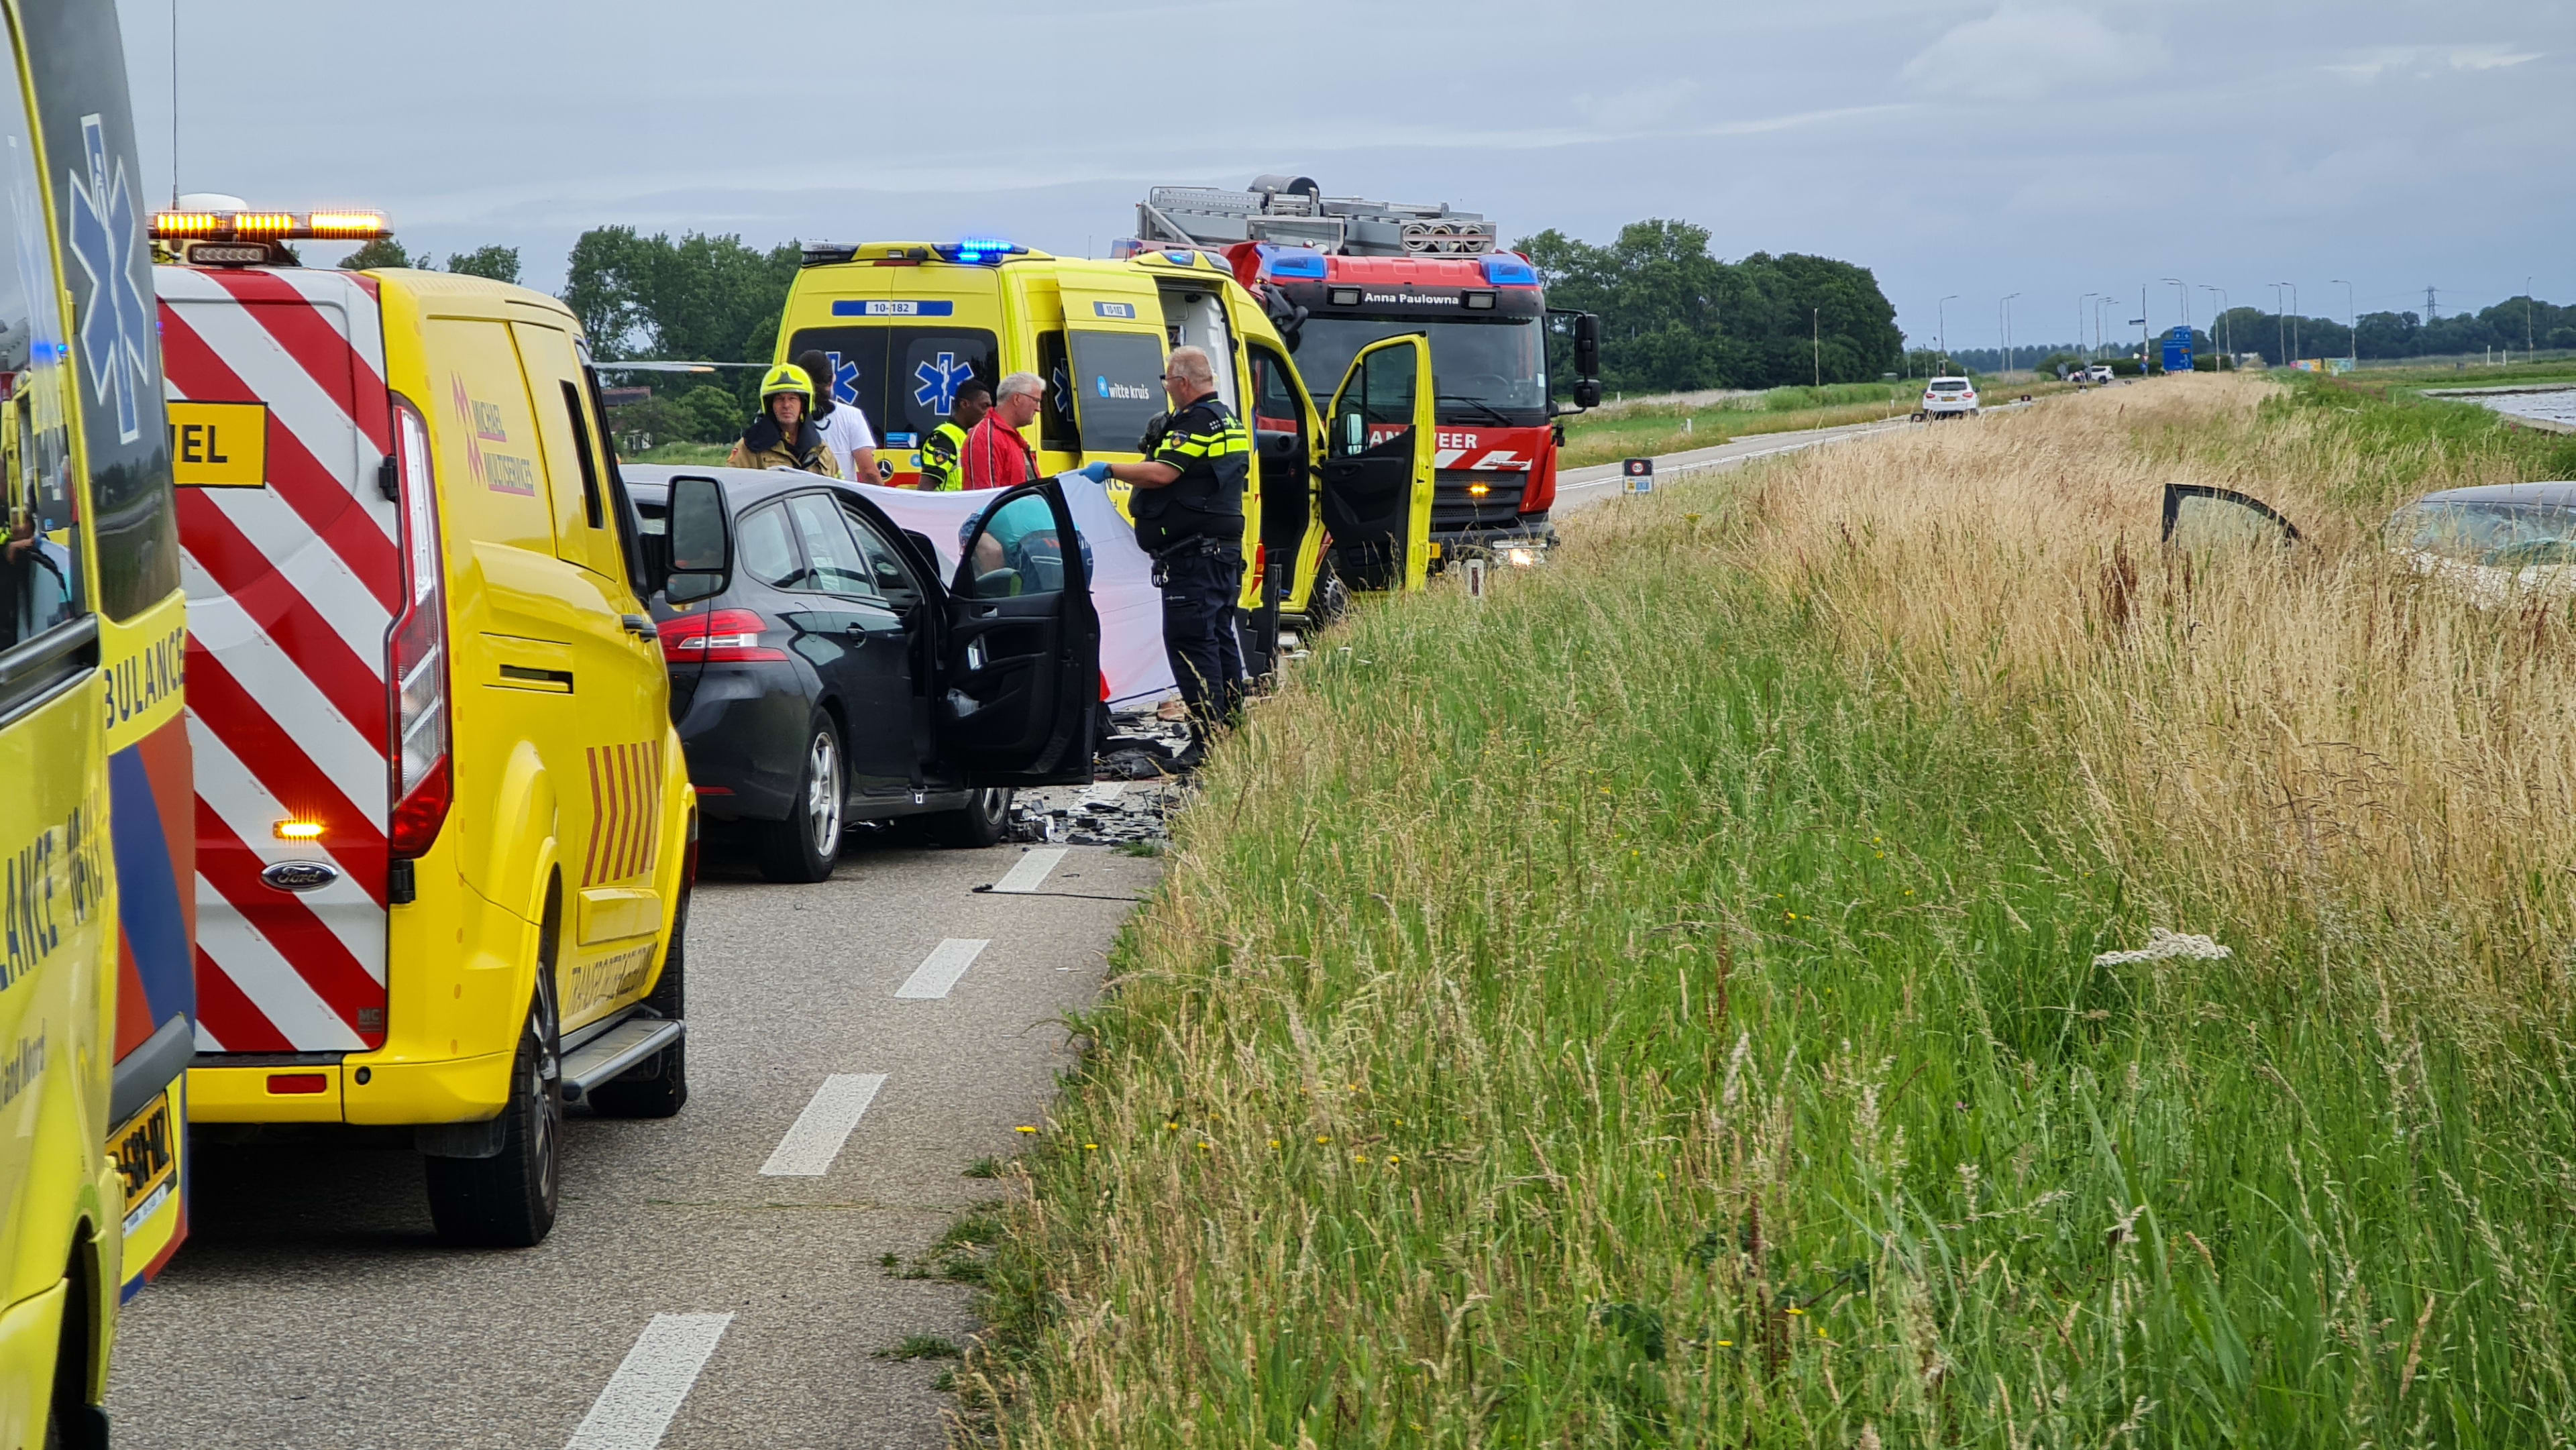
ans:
(1341, 498)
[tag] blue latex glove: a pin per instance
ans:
(1096, 472)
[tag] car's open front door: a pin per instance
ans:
(1021, 662)
(1378, 466)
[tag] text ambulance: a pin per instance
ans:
(444, 828)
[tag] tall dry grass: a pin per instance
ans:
(1666, 1004)
(2311, 741)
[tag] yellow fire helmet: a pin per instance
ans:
(787, 378)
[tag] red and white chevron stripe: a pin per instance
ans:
(290, 589)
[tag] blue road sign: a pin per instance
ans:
(2178, 350)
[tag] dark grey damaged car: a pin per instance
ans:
(822, 673)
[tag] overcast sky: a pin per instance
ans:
(2048, 149)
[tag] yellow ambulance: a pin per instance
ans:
(444, 826)
(94, 937)
(904, 324)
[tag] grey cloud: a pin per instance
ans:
(2046, 150)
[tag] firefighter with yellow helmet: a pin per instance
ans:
(784, 435)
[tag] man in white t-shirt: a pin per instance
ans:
(842, 424)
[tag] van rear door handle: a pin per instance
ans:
(637, 624)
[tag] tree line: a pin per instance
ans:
(1675, 318)
(2517, 323)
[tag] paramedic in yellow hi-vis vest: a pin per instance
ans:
(940, 471)
(1188, 506)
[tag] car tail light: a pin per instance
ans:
(420, 782)
(716, 636)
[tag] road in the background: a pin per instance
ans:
(1582, 488)
(313, 1307)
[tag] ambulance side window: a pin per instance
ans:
(41, 589)
(1058, 431)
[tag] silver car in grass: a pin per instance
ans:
(2502, 543)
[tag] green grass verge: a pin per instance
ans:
(1671, 1032)
(706, 455)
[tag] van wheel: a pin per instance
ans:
(987, 815)
(807, 845)
(659, 1087)
(1329, 600)
(507, 1201)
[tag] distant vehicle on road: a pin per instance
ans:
(1949, 398)
(2098, 373)
(832, 677)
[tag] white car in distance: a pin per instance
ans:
(1949, 398)
(2098, 373)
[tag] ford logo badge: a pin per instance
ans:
(300, 875)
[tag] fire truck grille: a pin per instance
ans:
(1454, 508)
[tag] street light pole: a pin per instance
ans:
(1941, 327)
(2101, 329)
(2185, 290)
(2280, 326)
(2527, 348)
(2079, 324)
(2145, 344)
(2294, 319)
(2352, 312)
(2219, 319)
(2004, 310)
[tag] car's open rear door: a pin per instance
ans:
(1021, 662)
(1378, 466)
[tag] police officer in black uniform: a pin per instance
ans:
(1188, 507)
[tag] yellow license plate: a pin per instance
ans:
(146, 1155)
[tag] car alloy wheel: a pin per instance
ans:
(823, 794)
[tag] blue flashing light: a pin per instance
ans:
(1510, 271)
(1297, 262)
(974, 250)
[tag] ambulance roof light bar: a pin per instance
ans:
(270, 226)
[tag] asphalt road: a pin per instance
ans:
(313, 1307)
(1582, 488)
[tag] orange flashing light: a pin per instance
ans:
(278, 226)
(299, 830)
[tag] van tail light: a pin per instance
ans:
(715, 637)
(420, 779)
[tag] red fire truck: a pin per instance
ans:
(1338, 273)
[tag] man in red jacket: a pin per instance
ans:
(995, 455)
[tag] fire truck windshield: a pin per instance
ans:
(1500, 364)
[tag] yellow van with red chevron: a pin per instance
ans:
(444, 825)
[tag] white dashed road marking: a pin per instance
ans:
(656, 1375)
(940, 970)
(1031, 870)
(809, 1147)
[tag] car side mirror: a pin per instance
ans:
(700, 537)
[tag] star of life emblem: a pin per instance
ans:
(116, 328)
(940, 379)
